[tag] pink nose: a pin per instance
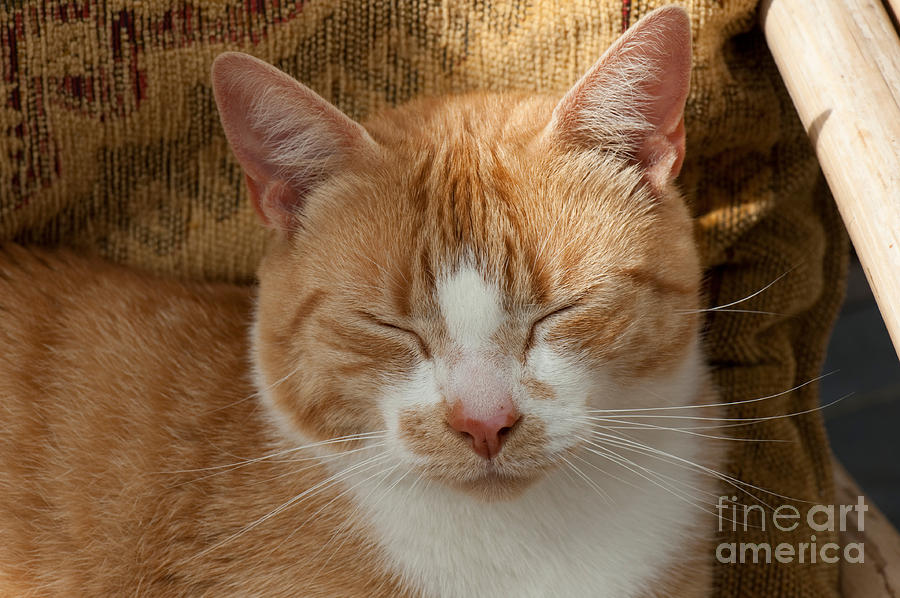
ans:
(487, 433)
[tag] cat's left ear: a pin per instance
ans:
(632, 100)
(286, 137)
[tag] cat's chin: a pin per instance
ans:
(494, 488)
(491, 484)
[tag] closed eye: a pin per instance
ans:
(529, 342)
(410, 333)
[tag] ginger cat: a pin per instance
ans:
(463, 302)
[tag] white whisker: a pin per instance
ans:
(735, 419)
(647, 426)
(244, 462)
(747, 298)
(383, 473)
(350, 518)
(628, 463)
(734, 311)
(676, 460)
(312, 490)
(318, 462)
(606, 473)
(723, 404)
(591, 483)
(258, 393)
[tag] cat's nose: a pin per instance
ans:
(487, 429)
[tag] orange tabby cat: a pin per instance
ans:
(459, 297)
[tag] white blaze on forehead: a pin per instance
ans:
(471, 307)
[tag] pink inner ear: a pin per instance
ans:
(275, 202)
(636, 91)
(286, 137)
(662, 154)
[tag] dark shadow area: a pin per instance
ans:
(864, 428)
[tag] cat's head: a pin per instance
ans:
(473, 274)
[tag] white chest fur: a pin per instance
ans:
(561, 538)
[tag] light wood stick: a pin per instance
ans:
(840, 60)
(894, 6)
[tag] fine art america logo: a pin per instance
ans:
(734, 516)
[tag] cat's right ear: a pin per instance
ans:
(286, 137)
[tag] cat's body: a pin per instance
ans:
(121, 405)
(463, 294)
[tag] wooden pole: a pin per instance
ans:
(894, 6)
(840, 60)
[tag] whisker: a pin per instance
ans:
(669, 457)
(384, 473)
(723, 404)
(258, 393)
(606, 473)
(319, 461)
(734, 311)
(346, 524)
(736, 419)
(336, 440)
(624, 463)
(672, 479)
(415, 482)
(706, 427)
(645, 426)
(677, 480)
(662, 476)
(312, 490)
(675, 460)
(375, 435)
(566, 471)
(750, 296)
(317, 458)
(591, 483)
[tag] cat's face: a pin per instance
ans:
(472, 276)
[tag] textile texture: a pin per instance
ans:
(110, 141)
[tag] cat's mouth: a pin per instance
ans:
(504, 478)
(489, 482)
(448, 457)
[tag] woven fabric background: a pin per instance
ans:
(109, 140)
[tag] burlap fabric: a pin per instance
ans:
(110, 140)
